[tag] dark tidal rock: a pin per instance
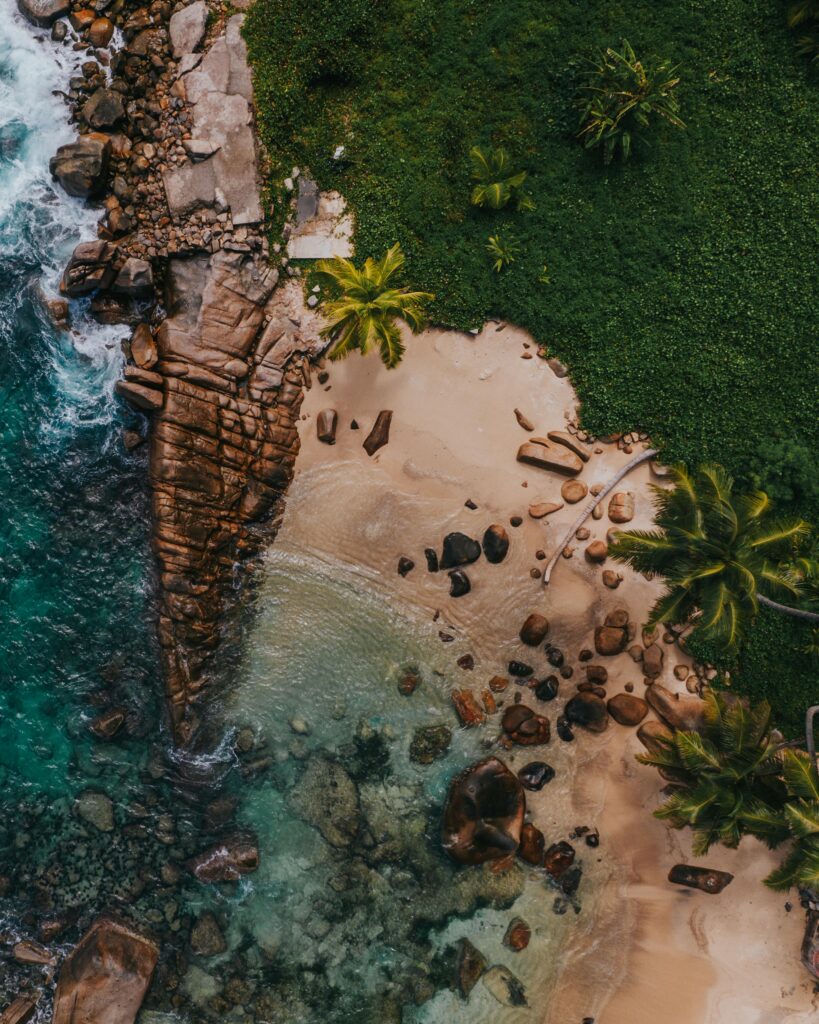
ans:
(380, 434)
(431, 556)
(458, 550)
(470, 964)
(459, 585)
(535, 775)
(483, 815)
(326, 425)
(520, 669)
(705, 879)
(534, 629)
(524, 727)
(405, 565)
(532, 845)
(547, 689)
(226, 861)
(495, 544)
(429, 742)
(558, 858)
(587, 710)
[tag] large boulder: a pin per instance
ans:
(81, 166)
(545, 455)
(187, 28)
(684, 713)
(588, 710)
(105, 978)
(524, 727)
(611, 638)
(484, 813)
(43, 12)
(104, 109)
(90, 267)
(135, 279)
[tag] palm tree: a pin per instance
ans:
(800, 816)
(495, 182)
(364, 308)
(622, 97)
(726, 778)
(717, 551)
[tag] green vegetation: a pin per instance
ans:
(495, 182)
(717, 552)
(681, 284)
(503, 251)
(363, 308)
(726, 777)
(801, 817)
(803, 18)
(622, 98)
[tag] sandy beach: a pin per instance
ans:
(650, 951)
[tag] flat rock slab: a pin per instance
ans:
(328, 233)
(105, 978)
(546, 455)
(187, 28)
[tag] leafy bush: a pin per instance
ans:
(503, 252)
(800, 815)
(496, 184)
(622, 98)
(786, 470)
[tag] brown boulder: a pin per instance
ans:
(100, 32)
(545, 455)
(524, 727)
(380, 434)
(532, 845)
(226, 861)
(534, 629)
(21, 1011)
(495, 544)
(483, 815)
(517, 935)
(143, 347)
(565, 439)
(467, 707)
(611, 638)
(541, 509)
(705, 879)
(524, 421)
(81, 166)
(685, 713)
(626, 709)
(135, 279)
(105, 978)
(104, 109)
(653, 661)
(573, 491)
(141, 397)
(611, 579)
(470, 964)
(597, 552)
(326, 425)
(558, 858)
(90, 267)
(588, 710)
(621, 507)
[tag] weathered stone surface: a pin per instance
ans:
(459, 585)
(685, 713)
(135, 279)
(532, 845)
(524, 727)
(621, 507)
(550, 456)
(430, 742)
(483, 815)
(104, 109)
(96, 809)
(226, 861)
(495, 544)
(143, 347)
(27, 951)
(458, 550)
(504, 986)
(326, 424)
(105, 978)
(206, 936)
(573, 491)
(567, 441)
(470, 964)
(626, 709)
(469, 711)
(534, 629)
(653, 658)
(611, 638)
(588, 710)
(187, 28)
(327, 798)
(108, 724)
(380, 433)
(705, 879)
(21, 1011)
(541, 509)
(146, 399)
(81, 167)
(43, 12)
(89, 268)
(517, 935)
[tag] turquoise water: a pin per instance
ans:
(318, 935)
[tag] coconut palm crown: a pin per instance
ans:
(364, 308)
(717, 551)
(725, 777)
(800, 815)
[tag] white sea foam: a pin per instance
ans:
(38, 221)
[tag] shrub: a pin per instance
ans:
(622, 98)
(503, 251)
(496, 185)
(786, 471)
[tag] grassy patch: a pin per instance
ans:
(681, 286)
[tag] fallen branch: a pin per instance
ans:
(589, 507)
(796, 613)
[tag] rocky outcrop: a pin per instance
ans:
(222, 447)
(483, 814)
(43, 12)
(81, 167)
(105, 978)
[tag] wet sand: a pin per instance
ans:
(650, 951)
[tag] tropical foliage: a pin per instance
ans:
(800, 816)
(502, 250)
(726, 782)
(622, 98)
(803, 17)
(717, 550)
(496, 183)
(365, 306)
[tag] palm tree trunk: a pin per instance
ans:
(590, 505)
(796, 613)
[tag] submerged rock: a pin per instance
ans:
(517, 935)
(206, 936)
(483, 815)
(504, 986)
(532, 844)
(327, 798)
(524, 727)
(226, 861)
(470, 964)
(627, 709)
(97, 809)
(105, 978)
(430, 742)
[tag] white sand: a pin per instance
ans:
(653, 952)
